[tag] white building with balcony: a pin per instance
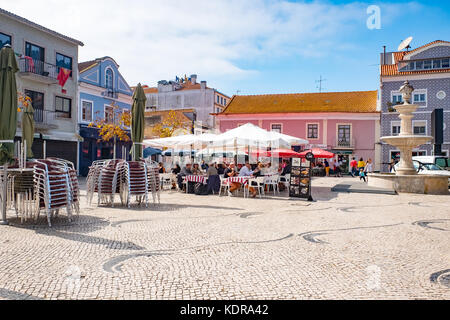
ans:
(184, 94)
(41, 53)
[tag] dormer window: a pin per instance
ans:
(419, 65)
(109, 79)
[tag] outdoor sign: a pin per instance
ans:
(300, 184)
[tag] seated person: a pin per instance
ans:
(220, 168)
(176, 169)
(246, 171)
(196, 170)
(186, 171)
(204, 166)
(161, 168)
(230, 171)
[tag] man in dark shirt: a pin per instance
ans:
(230, 171)
(286, 169)
(186, 171)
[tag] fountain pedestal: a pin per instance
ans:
(406, 178)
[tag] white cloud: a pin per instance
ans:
(153, 40)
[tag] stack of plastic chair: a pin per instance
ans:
(109, 181)
(73, 182)
(21, 196)
(92, 179)
(153, 181)
(52, 188)
(135, 182)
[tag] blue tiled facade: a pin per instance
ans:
(436, 87)
(100, 84)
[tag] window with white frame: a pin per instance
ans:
(109, 81)
(419, 153)
(276, 128)
(313, 131)
(86, 110)
(395, 128)
(420, 97)
(109, 114)
(397, 98)
(420, 127)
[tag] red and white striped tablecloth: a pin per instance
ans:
(193, 178)
(243, 180)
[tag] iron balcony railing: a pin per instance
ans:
(345, 143)
(109, 93)
(44, 116)
(29, 65)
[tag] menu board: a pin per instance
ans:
(300, 184)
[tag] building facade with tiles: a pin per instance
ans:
(41, 53)
(427, 69)
(346, 123)
(187, 93)
(100, 85)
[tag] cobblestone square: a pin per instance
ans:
(342, 246)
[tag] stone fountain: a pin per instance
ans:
(406, 178)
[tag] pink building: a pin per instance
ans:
(346, 123)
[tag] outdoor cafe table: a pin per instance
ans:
(197, 179)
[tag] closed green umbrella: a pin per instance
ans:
(28, 128)
(8, 103)
(8, 114)
(137, 121)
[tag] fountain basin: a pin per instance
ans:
(407, 141)
(417, 183)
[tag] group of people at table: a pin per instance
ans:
(228, 170)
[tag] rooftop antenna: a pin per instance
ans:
(405, 44)
(320, 81)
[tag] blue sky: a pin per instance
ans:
(354, 64)
(254, 46)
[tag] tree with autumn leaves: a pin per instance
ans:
(112, 125)
(169, 125)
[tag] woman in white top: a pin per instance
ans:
(368, 168)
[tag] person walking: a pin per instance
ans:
(362, 175)
(368, 169)
(327, 167)
(354, 167)
(361, 164)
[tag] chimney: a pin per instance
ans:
(203, 85)
(193, 78)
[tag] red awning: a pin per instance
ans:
(318, 153)
(277, 153)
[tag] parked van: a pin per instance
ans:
(441, 161)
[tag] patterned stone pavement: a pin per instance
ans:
(343, 246)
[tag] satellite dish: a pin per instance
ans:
(405, 44)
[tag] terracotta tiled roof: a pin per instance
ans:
(359, 101)
(150, 90)
(427, 45)
(392, 69)
(86, 65)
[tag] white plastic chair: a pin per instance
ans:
(273, 181)
(224, 183)
(286, 180)
(257, 183)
